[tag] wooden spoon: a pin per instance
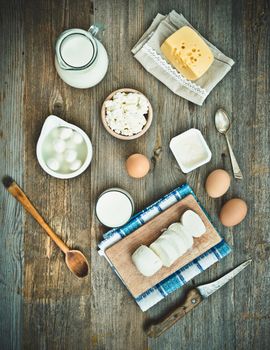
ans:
(74, 259)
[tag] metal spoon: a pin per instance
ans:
(75, 260)
(223, 124)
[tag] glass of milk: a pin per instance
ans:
(114, 207)
(80, 58)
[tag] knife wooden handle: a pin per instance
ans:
(193, 299)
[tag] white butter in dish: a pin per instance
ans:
(190, 150)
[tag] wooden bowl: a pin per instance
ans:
(149, 117)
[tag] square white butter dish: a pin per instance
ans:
(190, 150)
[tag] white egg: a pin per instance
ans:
(75, 165)
(146, 261)
(53, 164)
(70, 155)
(59, 145)
(77, 138)
(65, 133)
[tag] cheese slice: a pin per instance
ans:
(165, 250)
(176, 239)
(188, 53)
(146, 261)
(193, 223)
(184, 234)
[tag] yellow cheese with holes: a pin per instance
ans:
(188, 53)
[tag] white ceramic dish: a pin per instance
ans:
(53, 122)
(190, 150)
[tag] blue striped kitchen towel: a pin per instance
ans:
(183, 275)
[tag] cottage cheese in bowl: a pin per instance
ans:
(126, 114)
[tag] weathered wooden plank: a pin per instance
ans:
(11, 162)
(251, 139)
(56, 305)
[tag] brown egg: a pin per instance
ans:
(137, 165)
(233, 212)
(217, 183)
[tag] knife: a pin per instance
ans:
(194, 297)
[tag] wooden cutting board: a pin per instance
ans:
(120, 253)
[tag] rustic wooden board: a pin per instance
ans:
(120, 253)
(35, 286)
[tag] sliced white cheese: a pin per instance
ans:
(193, 223)
(177, 240)
(165, 249)
(187, 237)
(176, 226)
(146, 261)
(183, 233)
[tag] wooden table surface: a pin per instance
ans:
(42, 306)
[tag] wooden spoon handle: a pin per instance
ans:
(18, 193)
(193, 299)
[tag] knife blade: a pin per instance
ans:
(194, 297)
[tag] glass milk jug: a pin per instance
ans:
(80, 58)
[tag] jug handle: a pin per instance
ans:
(96, 28)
